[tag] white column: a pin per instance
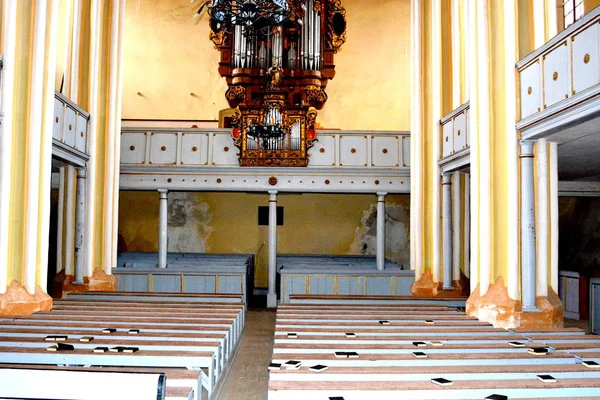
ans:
(456, 226)
(80, 225)
(381, 230)
(62, 184)
(272, 294)
(95, 24)
(528, 274)
(539, 23)
(33, 147)
(416, 145)
(162, 229)
(467, 224)
(9, 33)
(541, 223)
(69, 220)
(447, 229)
(74, 58)
(436, 114)
(552, 28)
(512, 159)
(473, 127)
(554, 217)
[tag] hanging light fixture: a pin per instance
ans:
(271, 130)
(256, 16)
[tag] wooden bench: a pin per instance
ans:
(375, 300)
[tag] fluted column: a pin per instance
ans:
(528, 272)
(80, 225)
(381, 230)
(447, 229)
(272, 294)
(162, 230)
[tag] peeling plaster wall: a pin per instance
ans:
(228, 223)
(579, 234)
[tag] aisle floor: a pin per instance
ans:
(249, 376)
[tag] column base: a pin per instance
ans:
(98, 282)
(17, 301)
(271, 300)
(497, 308)
(425, 286)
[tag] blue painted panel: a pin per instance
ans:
(230, 284)
(199, 284)
(347, 285)
(595, 305)
(294, 284)
(404, 283)
(379, 286)
(132, 283)
(167, 283)
(321, 284)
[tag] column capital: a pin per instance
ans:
(272, 195)
(163, 193)
(81, 173)
(526, 148)
(446, 179)
(381, 196)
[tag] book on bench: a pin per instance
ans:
(133, 331)
(56, 338)
(123, 349)
(419, 344)
(341, 354)
(61, 347)
(274, 367)
(590, 364)
(442, 381)
(419, 354)
(546, 378)
(538, 351)
(352, 354)
(436, 343)
(384, 322)
(429, 322)
(292, 364)
(100, 349)
(109, 330)
(517, 344)
(496, 397)
(86, 338)
(350, 334)
(292, 335)
(336, 398)
(318, 368)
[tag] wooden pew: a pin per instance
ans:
(375, 300)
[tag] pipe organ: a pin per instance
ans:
(277, 75)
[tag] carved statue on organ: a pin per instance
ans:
(277, 102)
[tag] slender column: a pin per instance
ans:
(272, 294)
(467, 237)
(456, 226)
(74, 56)
(447, 229)
(474, 152)
(162, 229)
(528, 275)
(61, 216)
(436, 114)
(381, 230)
(554, 217)
(80, 225)
(69, 223)
(416, 147)
(541, 223)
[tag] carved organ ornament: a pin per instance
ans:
(277, 57)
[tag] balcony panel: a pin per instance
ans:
(133, 148)
(353, 151)
(194, 149)
(586, 71)
(163, 148)
(385, 151)
(323, 152)
(531, 90)
(460, 132)
(556, 75)
(447, 140)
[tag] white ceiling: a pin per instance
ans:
(579, 152)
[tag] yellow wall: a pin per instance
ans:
(168, 55)
(228, 223)
(589, 5)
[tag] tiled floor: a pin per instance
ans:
(248, 378)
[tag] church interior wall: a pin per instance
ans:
(162, 40)
(579, 235)
(215, 222)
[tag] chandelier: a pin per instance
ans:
(255, 16)
(271, 130)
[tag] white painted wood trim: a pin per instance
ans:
(457, 221)
(456, 72)
(111, 138)
(474, 145)
(483, 98)
(70, 220)
(512, 158)
(542, 218)
(436, 87)
(75, 43)
(539, 23)
(416, 147)
(34, 141)
(48, 123)
(554, 219)
(62, 186)
(92, 164)
(9, 25)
